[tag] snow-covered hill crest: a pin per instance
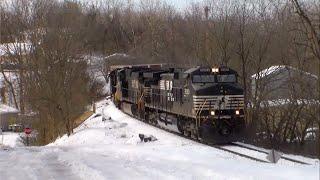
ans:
(111, 149)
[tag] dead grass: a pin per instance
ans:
(79, 120)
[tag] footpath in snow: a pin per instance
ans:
(111, 149)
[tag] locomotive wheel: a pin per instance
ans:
(180, 124)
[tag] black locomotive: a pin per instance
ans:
(201, 102)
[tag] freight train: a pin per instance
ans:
(202, 103)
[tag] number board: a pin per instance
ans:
(224, 69)
(205, 70)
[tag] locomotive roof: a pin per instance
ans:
(168, 75)
(152, 70)
(153, 66)
(191, 70)
(153, 74)
(198, 69)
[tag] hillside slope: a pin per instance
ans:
(111, 149)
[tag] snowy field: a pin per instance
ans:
(112, 150)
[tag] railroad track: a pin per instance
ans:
(266, 152)
(224, 147)
(240, 154)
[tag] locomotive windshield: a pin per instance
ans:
(203, 79)
(230, 78)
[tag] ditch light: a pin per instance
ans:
(237, 112)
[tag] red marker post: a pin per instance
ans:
(27, 131)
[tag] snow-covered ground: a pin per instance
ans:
(10, 139)
(112, 150)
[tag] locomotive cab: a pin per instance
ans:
(218, 101)
(217, 90)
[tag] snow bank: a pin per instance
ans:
(7, 109)
(113, 150)
(10, 139)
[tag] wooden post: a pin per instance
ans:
(94, 107)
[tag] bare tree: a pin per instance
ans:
(247, 36)
(310, 26)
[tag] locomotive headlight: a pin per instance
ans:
(215, 70)
(237, 112)
(212, 113)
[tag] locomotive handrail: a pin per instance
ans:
(199, 112)
(201, 108)
(141, 97)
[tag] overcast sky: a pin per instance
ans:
(181, 4)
